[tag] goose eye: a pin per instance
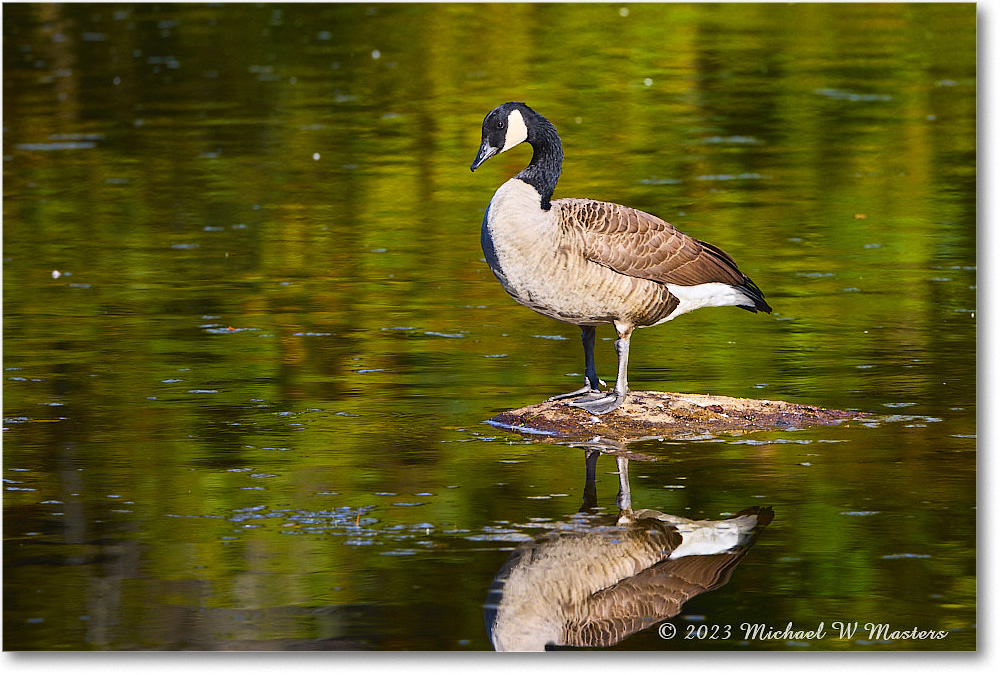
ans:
(499, 124)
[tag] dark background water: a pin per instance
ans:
(250, 342)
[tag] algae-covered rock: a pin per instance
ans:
(668, 415)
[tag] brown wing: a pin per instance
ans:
(651, 596)
(639, 244)
(658, 592)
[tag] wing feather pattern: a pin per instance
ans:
(639, 244)
(651, 596)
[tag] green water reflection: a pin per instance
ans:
(249, 340)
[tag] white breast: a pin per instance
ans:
(518, 241)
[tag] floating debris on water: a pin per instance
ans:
(843, 95)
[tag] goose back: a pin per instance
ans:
(639, 244)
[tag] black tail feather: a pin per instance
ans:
(754, 293)
(749, 288)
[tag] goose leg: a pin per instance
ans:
(590, 484)
(616, 397)
(624, 493)
(591, 385)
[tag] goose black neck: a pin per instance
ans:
(546, 160)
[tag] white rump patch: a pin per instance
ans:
(715, 294)
(517, 131)
(709, 539)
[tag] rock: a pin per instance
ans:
(647, 414)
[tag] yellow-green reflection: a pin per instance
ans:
(269, 290)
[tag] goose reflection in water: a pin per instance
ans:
(592, 584)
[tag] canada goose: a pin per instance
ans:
(587, 262)
(585, 583)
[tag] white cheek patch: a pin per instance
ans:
(517, 131)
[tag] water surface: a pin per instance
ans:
(250, 341)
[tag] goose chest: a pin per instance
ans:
(532, 254)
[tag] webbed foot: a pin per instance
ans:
(586, 392)
(605, 403)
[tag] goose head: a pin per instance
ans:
(504, 127)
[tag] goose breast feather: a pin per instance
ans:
(639, 244)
